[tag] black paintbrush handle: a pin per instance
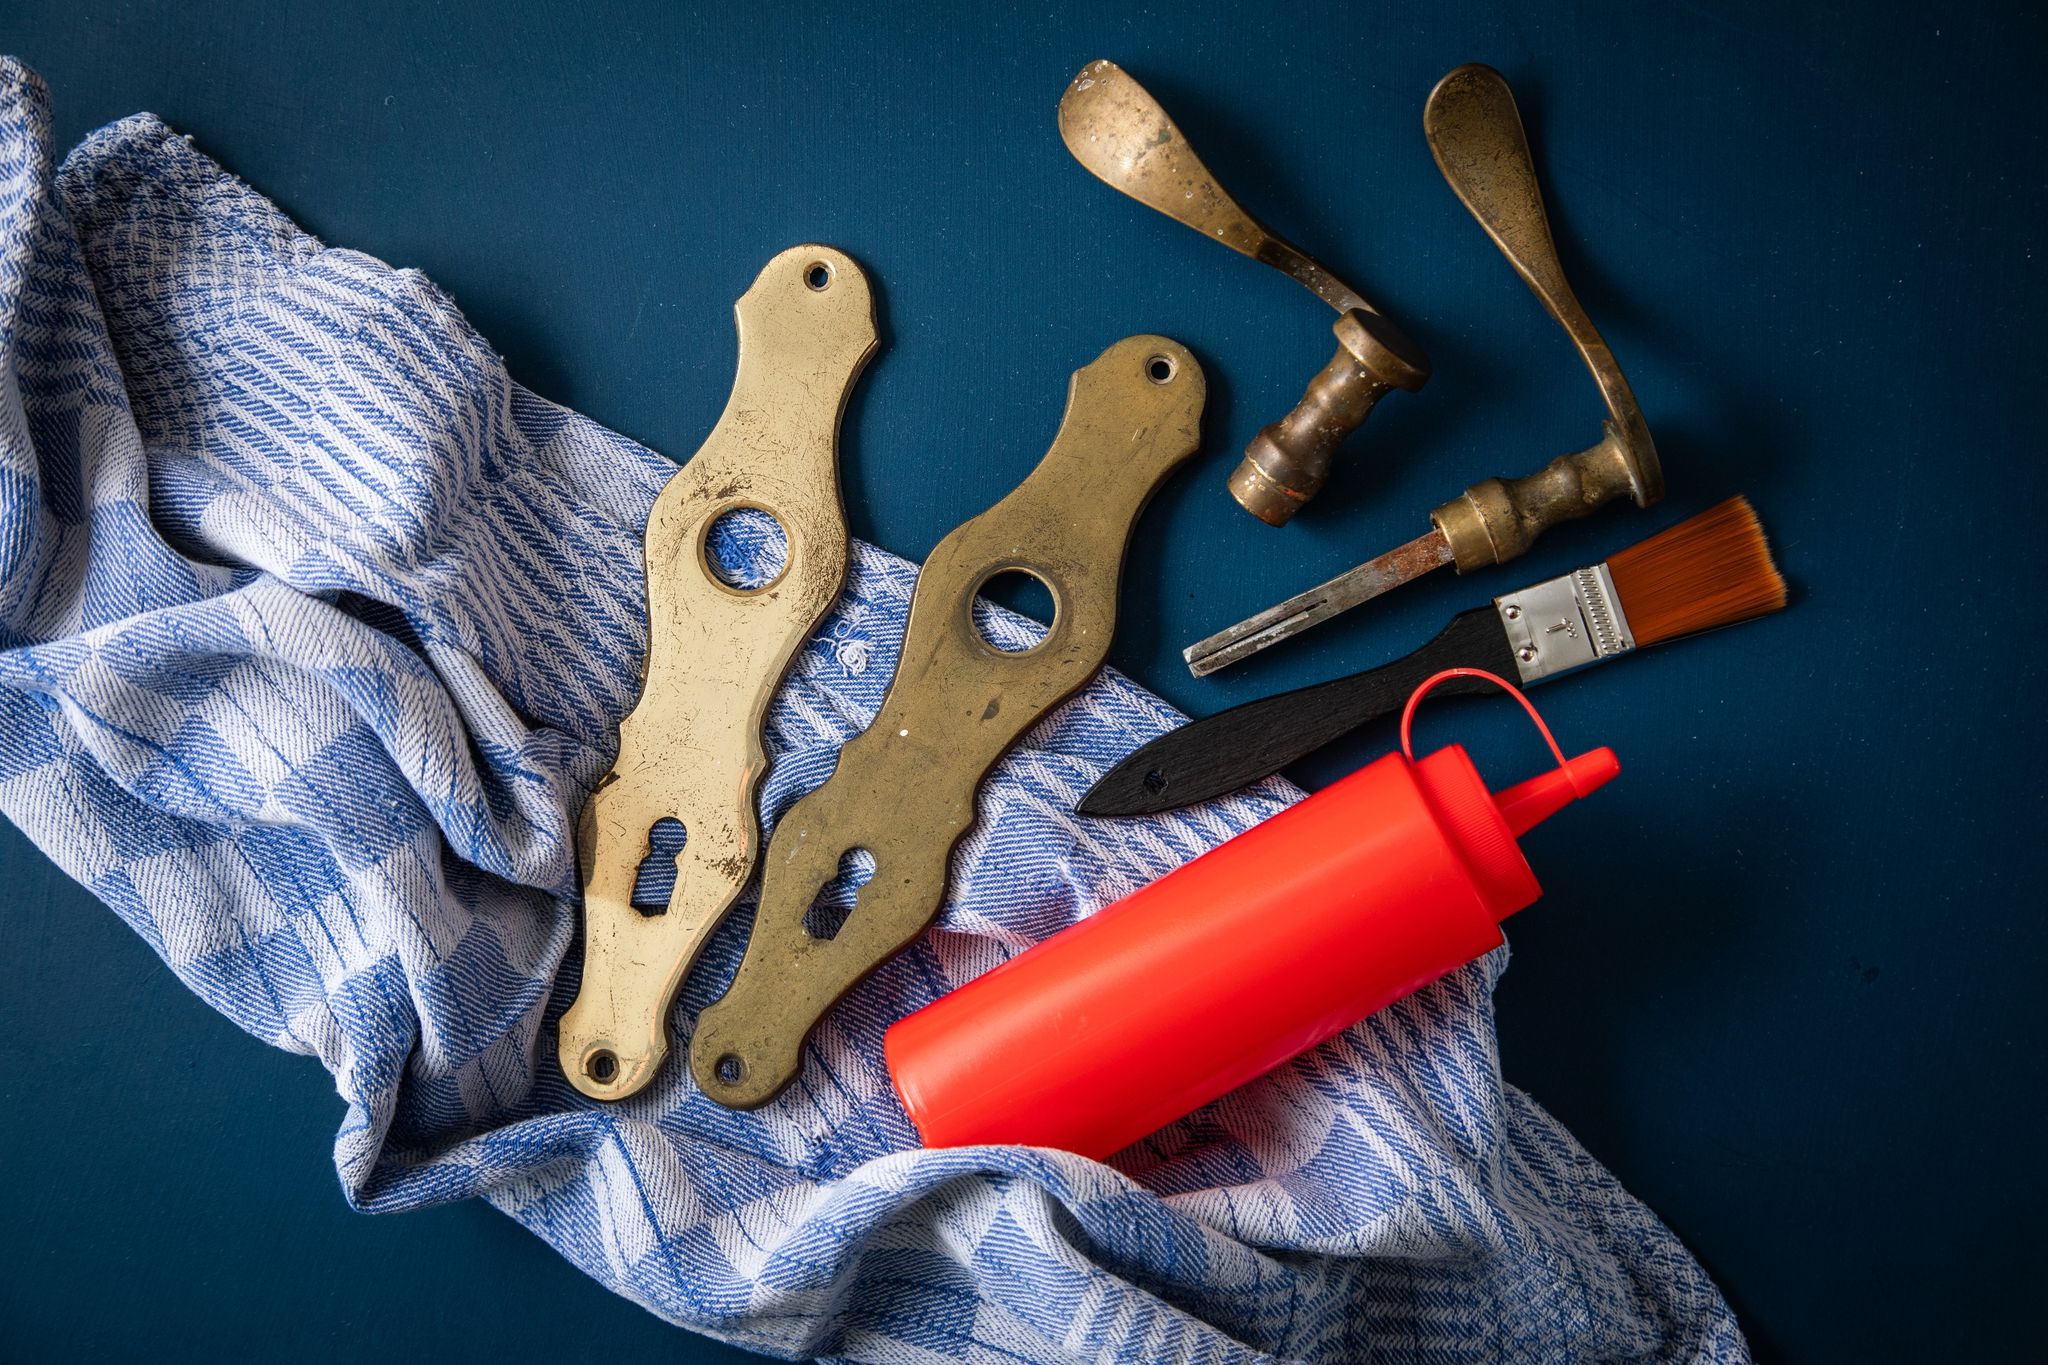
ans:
(1220, 753)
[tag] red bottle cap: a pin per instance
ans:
(1485, 825)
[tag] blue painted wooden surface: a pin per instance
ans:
(1786, 979)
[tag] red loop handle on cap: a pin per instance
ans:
(1415, 700)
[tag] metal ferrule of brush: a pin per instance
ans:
(1564, 623)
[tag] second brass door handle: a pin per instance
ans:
(1475, 132)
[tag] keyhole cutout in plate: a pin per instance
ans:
(1026, 594)
(746, 549)
(827, 915)
(655, 880)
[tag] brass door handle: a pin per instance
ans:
(1475, 132)
(1117, 130)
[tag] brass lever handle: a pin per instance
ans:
(1117, 130)
(1475, 132)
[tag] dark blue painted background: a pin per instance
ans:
(1786, 980)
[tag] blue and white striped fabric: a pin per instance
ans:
(313, 629)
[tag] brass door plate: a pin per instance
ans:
(691, 748)
(904, 788)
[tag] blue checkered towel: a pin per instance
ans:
(314, 627)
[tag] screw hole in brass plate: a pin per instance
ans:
(731, 1069)
(818, 276)
(601, 1066)
(1159, 369)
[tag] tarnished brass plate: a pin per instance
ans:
(904, 788)
(691, 749)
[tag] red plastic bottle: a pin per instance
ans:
(1245, 957)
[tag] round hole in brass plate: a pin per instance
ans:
(723, 575)
(1004, 571)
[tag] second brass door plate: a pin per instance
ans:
(690, 751)
(904, 788)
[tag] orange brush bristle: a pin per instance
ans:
(1708, 571)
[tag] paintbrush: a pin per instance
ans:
(1710, 571)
